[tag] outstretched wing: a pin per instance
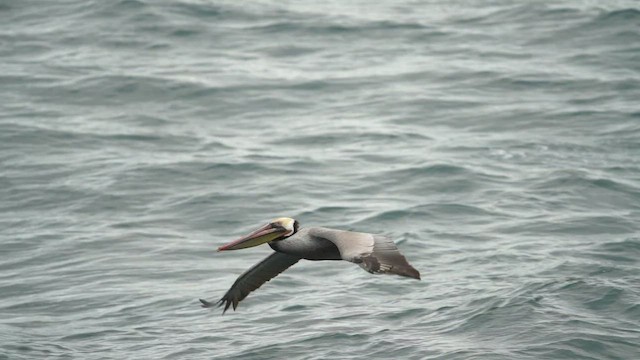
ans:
(374, 253)
(253, 278)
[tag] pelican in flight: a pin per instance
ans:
(374, 253)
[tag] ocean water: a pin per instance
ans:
(497, 142)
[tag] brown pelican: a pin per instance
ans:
(374, 253)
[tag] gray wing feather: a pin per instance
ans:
(253, 278)
(374, 253)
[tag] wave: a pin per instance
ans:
(618, 18)
(576, 178)
(523, 13)
(331, 27)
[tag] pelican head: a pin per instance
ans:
(278, 229)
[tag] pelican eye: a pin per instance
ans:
(277, 226)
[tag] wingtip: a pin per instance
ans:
(411, 273)
(416, 275)
(208, 304)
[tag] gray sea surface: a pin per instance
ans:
(498, 142)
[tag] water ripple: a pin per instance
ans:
(496, 143)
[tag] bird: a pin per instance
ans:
(376, 254)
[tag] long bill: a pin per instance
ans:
(263, 235)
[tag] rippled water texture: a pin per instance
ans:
(498, 142)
